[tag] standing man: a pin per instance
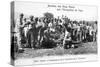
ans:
(67, 40)
(19, 31)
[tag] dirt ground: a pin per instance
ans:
(85, 48)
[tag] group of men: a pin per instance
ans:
(34, 32)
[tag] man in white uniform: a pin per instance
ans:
(18, 33)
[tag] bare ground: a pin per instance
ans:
(85, 48)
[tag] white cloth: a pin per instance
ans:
(50, 25)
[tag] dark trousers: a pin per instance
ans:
(68, 44)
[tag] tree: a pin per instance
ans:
(48, 15)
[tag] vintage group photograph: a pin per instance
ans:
(46, 29)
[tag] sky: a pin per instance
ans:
(88, 13)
